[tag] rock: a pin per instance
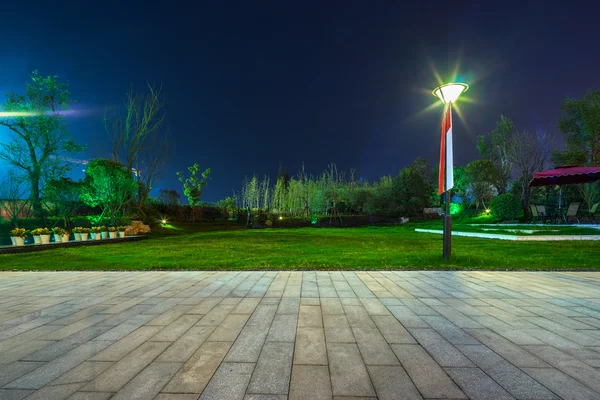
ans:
(136, 227)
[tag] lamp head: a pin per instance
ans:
(449, 92)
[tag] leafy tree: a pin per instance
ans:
(39, 138)
(580, 126)
(496, 148)
(481, 175)
(227, 206)
(193, 185)
(109, 185)
(63, 195)
(12, 192)
(414, 186)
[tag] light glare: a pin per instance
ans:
(449, 92)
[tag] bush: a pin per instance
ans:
(506, 206)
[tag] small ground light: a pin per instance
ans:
(487, 211)
(280, 217)
(163, 221)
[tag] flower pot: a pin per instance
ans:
(12, 240)
(45, 239)
(77, 236)
(57, 238)
(104, 235)
(65, 238)
(112, 235)
(37, 239)
(84, 236)
(19, 241)
(121, 234)
(97, 236)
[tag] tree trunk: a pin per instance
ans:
(34, 195)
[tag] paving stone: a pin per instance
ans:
(84, 372)
(426, 374)
(373, 347)
(407, 318)
(124, 346)
(349, 376)
(504, 373)
(248, 344)
(90, 396)
(229, 382)
(197, 371)
(337, 329)
(283, 328)
(183, 348)
(148, 383)
(14, 394)
(505, 348)
(174, 330)
(310, 316)
(10, 372)
(310, 346)
(568, 365)
(59, 348)
(449, 331)
(246, 306)
(289, 306)
(272, 372)
(392, 330)
(440, 349)
(265, 397)
(263, 315)
(390, 382)
(477, 385)
(55, 368)
(215, 316)
(566, 387)
(20, 351)
(174, 396)
(123, 371)
(331, 307)
(59, 392)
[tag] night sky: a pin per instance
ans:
(253, 84)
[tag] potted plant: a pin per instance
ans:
(85, 232)
(121, 231)
(58, 234)
(104, 232)
(45, 235)
(36, 235)
(65, 236)
(18, 236)
(97, 230)
(112, 232)
(77, 233)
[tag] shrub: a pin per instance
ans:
(506, 206)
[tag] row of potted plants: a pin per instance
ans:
(42, 235)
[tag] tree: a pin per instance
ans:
(227, 206)
(529, 152)
(414, 186)
(481, 175)
(169, 197)
(39, 137)
(495, 148)
(63, 196)
(192, 186)
(12, 193)
(109, 185)
(139, 140)
(581, 128)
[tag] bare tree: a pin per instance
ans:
(529, 153)
(139, 139)
(12, 193)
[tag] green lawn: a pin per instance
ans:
(311, 248)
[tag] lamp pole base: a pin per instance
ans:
(447, 251)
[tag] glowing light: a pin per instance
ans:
(280, 218)
(10, 114)
(450, 92)
(164, 221)
(455, 208)
(487, 211)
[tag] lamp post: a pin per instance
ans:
(448, 94)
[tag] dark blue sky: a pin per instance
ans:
(253, 84)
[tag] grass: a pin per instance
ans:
(376, 248)
(519, 230)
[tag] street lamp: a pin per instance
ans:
(448, 94)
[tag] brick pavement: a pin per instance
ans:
(299, 335)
